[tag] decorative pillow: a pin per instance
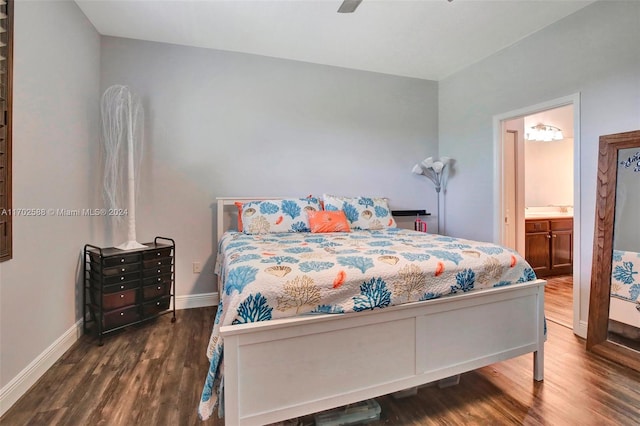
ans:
(362, 212)
(271, 216)
(239, 206)
(328, 221)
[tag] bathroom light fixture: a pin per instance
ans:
(544, 133)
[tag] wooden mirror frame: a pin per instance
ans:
(598, 326)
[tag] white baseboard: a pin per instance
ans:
(197, 300)
(19, 385)
(581, 330)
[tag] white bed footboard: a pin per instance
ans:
(276, 370)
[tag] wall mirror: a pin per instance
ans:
(614, 303)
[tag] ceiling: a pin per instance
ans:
(427, 39)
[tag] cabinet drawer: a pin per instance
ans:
(158, 253)
(95, 278)
(118, 287)
(114, 300)
(116, 270)
(536, 225)
(154, 263)
(120, 317)
(159, 270)
(155, 307)
(116, 260)
(561, 224)
(155, 291)
(162, 279)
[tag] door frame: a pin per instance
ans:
(510, 177)
(579, 328)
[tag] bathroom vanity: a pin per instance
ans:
(549, 241)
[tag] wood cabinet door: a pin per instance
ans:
(562, 251)
(537, 252)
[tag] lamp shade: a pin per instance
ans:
(427, 162)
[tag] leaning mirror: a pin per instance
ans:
(614, 304)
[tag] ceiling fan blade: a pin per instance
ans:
(348, 6)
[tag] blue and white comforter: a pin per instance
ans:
(625, 281)
(273, 276)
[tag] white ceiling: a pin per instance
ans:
(428, 39)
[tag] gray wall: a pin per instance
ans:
(231, 124)
(595, 52)
(55, 127)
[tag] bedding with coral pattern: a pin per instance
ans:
(625, 281)
(273, 276)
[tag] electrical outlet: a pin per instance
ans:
(197, 268)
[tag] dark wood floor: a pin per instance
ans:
(153, 375)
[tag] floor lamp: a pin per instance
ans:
(436, 172)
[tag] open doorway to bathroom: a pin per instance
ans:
(539, 200)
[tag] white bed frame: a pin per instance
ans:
(624, 311)
(286, 368)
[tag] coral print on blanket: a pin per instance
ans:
(625, 280)
(278, 275)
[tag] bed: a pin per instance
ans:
(625, 288)
(315, 321)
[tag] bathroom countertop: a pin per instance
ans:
(548, 212)
(551, 215)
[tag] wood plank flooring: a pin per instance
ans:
(558, 300)
(153, 375)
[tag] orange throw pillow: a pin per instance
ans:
(239, 206)
(328, 221)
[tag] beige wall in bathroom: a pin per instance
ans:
(549, 173)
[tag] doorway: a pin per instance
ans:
(518, 200)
